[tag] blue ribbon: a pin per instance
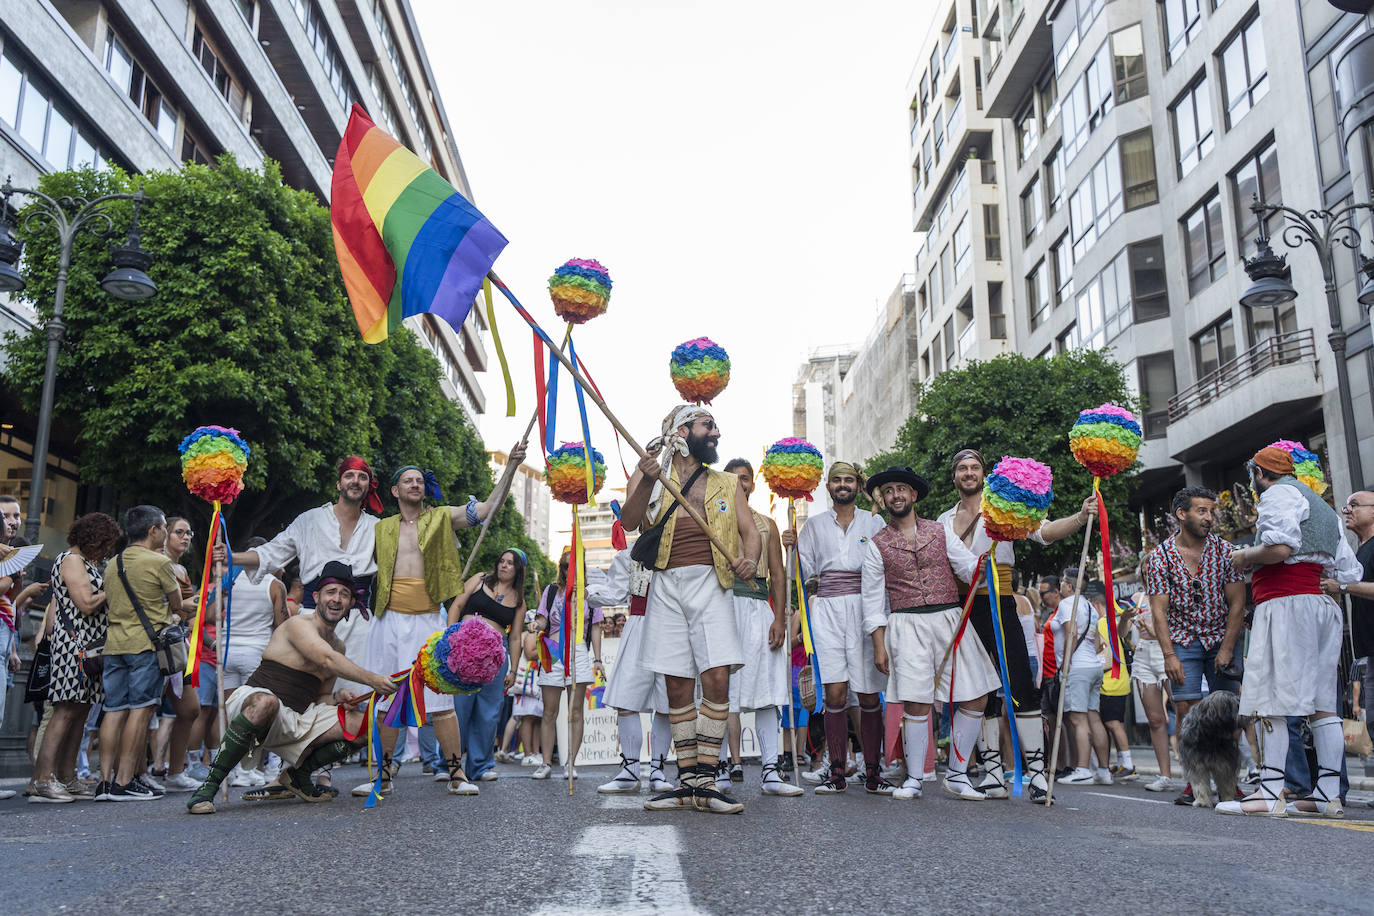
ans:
(550, 444)
(582, 413)
(995, 605)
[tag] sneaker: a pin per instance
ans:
(440, 775)
(532, 760)
(183, 783)
(269, 774)
(102, 791)
(909, 790)
(737, 773)
(1102, 777)
(426, 770)
(542, 771)
(488, 776)
(80, 791)
(1186, 799)
(1160, 784)
(785, 764)
(462, 787)
(363, 790)
(131, 792)
(1124, 774)
(958, 785)
(1060, 773)
(149, 784)
(896, 772)
(565, 776)
(819, 775)
(835, 785)
(878, 786)
(1078, 777)
(200, 772)
(49, 791)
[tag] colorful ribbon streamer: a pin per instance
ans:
(1107, 577)
(995, 606)
(586, 429)
(963, 620)
(197, 645)
(500, 352)
(407, 708)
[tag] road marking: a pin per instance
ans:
(626, 801)
(1363, 826)
(1148, 801)
(657, 882)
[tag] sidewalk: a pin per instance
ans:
(1360, 769)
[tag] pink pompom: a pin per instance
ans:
(476, 652)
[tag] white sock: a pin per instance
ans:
(766, 727)
(1329, 742)
(1273, 732)
(915, 742)
(1123, 758)
(1092, 760)
(963, 735)
(1103, 773)
(660, 738)
(631, 739)
(990, 740)
(1032, 734)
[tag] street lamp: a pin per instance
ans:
(128, 281)
(1325, 231)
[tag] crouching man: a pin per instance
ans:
(289, 705)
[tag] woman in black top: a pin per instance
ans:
(497, 599)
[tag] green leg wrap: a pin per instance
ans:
(239, 737)
(322, 756)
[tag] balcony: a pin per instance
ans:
(1273, 382)
(1026, 51)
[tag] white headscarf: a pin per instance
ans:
(673, 444)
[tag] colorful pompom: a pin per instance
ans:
(566, 473)
(792, 468)
(1105, 440)
(463, 658)
(213, 459)
(580, 290)
(700, 369)
(1305, 465)
(1016, 496)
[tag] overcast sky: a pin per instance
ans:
(741, 169)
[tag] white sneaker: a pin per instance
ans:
(532, 760)
(563, 774)
(7, 793)
(180, 783)
(895, 772)
(270, 773)
(1102, 777)
(239, 778)
(1161, 784)
(1079, 777)
(365, 789)
(462, 787)
(909, 790)
(489, 776)
(957, 784)
(542, 771)
(816, 776)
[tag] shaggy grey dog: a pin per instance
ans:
(1208, 747)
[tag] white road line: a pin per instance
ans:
(627, 801)
(1148, 801)
(657, 883)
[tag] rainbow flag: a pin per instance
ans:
(406, 240)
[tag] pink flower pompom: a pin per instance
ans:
(476, 652)
(1026, 474)
(1113, 410)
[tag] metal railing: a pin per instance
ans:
(1279, 350)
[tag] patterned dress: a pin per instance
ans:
(71, 631)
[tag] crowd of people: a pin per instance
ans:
(326, 610)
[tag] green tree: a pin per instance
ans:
(1021, 407)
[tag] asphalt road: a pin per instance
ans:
(526, 847)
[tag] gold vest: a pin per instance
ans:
(719, 504)
(438, 549)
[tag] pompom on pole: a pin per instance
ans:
(566, 473)
(700, 369)
(792, 468)
(1016, 497)
(213, 461)
(580, 290)
(1105, 440)
(463, 658)
(1306, 466)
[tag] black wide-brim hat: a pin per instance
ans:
(899, 475)
(335, 571)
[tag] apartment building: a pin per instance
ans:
(1138, 133)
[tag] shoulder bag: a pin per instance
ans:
(169, 643)
(645, 550)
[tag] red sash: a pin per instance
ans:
(1283, 580)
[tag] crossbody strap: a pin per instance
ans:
(133, 599)
(676, 502)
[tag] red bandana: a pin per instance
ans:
(372, 501)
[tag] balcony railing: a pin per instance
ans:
(1280, 350)
(951, 49)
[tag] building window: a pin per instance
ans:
(947, 272)
(1205, 244)
(1269, 322)
(997, 318)
(1214, 348)
(1192, 117)
(1244, 76)
(1182, 19)
(1047, 94)
(1032, 210)
(1038, 295)
(951, 355)
(1061, 259)
(1157, 386)
(1097, 83)
(1128, 63)
(963, 244)
(129, 76)
(1149, 284)
(322, 43)
(1104, 305)
(992, 233)
(1067, 340)
(1097, 203)
(213, 65)
(192, 150)
(1027, 133)
(1258, 176)
(32, 109)
(1138, 169)
(925, 97)
(1054, 180)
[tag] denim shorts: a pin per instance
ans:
(1198, 663)
(208, 691)
(131, 681)
(1083, 691)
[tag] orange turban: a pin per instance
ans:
(1274, 460)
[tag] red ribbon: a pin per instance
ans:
(963, 625)
(1107, 580)
(198, 631)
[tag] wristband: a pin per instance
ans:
(473, 518)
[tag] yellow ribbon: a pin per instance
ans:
(500, 353)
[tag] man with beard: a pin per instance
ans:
(1359, 519)
(964, 522)
(690, 618)
(290, 705)
(832, 545)
(1295, 638)
(912, 611)
(418, 570)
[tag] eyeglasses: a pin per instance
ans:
(1350, 507)
(184, 532)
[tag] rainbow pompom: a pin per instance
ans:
(1305, 465)
(580, 290)
(792, 468)
(1016, 496)
(700, 369)
(213, 459)
(566, 473)
(1105, 439)
(463, 658)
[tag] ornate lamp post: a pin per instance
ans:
(128, 281)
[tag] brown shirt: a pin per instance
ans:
(691, 547)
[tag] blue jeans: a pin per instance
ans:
(478, 714)
(429, 747)
(1297, 775)
(1199, 663)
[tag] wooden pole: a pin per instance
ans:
(503, 489)
(570, 640)
(1071, 635)
(591, 394)
(220, 632)
(787, 641)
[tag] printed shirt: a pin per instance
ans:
(1166, 574)
(898, 574)
(824, 546)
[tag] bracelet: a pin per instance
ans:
(1169, 655)
(596, 661)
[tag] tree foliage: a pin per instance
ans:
(1013, 405)
(250, 328)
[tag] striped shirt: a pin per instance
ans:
(1197, 604)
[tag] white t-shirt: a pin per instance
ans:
(1083, 653)
(250, 613)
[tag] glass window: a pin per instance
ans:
(1061, 257)
(933, 284)
(119, 63)
(963, 243)
(1032, 210)
(1027, 133)
(1097, 203)
(33, 115)
(1157, 386)
(1192, 117)
(1068, 340)
(1269, 322)
(992, 233)
(1097, 82)
(1138, 169)
(1148, 282)
(1182, 19)
(58, 147)
(950, 354)
(1205, 244)
(1048, 95)
(1074, 115)
(1245, 76)
(1214, 347)
(1064, 33)
(1054, 180)
(11, 81)
(1128, 63)
(1258, 176)
(947, 271)
(1038, 295)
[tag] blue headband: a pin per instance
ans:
(524, 561)
(432, 490)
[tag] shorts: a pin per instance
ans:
(393, 641)
(1113, 708)
(844, 652)
(1148, 667)
(582, 667)
(689, 624)
(240, 661)
(291, 733)
(762, 682)
(915, 645)
(1198, 664)
(208, 691)
(630, 686)
(1295, 650)
(131, 681)
(527, 707)
(1083, 692)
